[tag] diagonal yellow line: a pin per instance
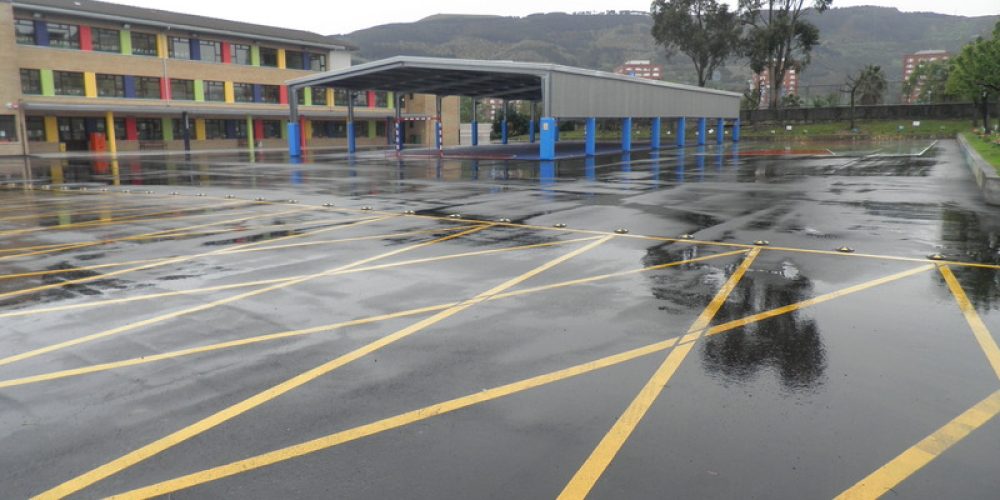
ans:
(130, 218)
(203, 307)
(986, 341)
(587, 475)
(898, 469)
(428, 412)
(223, 416)
(125, 300)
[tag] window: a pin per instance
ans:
(178, 126)
(271, 94)
(68, 83)
(240, 54)
(269, 57)
(144, 44)
(243, 92)
(106, 40)
(211, 51)
(66, 36)
(25, 29)
(36, 128)
(31, 82)
(215, 129)
(8, 128)
(272, 129)
(215, 91)
(317, 62)
(180, 48)
(380, 128)
(340, 97)
(361, 99)
(182, 90)
(110, 86)
(149, 129)
(381, 99)
(147, 87)
(322, 129)
(293, 60)
(319, 96)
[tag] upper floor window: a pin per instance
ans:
(182, 90)
(361, 99)
(340, 97)
(317, 62)
(269, 57)
(31, 82)
(66, 36)
(271, 94)
(144, 44)
(106, 40)
(110, 86)
(215, 91)
(240, 54)
(293, 60)
(381, 99)
(147, 87)
(25, 29)
(211, 51)
(179, 48)
(243, 92)
(35, 126)
(68, 83)
(319, 96)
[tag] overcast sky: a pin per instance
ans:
(341, 17)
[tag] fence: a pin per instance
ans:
(882, 112)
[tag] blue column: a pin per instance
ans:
(681, 132)
(736, 130)
(702, 130)
(626, 134)
(654, 133)
(549, 132)
(195, 45)
(129, 82)
(590, 137)
(42, 33)
(437, 135)
(720, 136)
(352, 139)
(503, 132)
(294, 142)
(531, 131)
(258, 93)
(475, 133)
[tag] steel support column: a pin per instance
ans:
(590, 137)
(503, 123)
(438, 130)
(475, 122)
(352, 140)
(654, 133)
(626, 134)
(294, 133)
(547, 144)
(702, 130)
(720, 136)
(681, 132)
(736, 130)
(400, 130)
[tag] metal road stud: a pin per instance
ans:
(687, 236)
(845, 250)
(409, 212)
(504, 220)
(328, 205)
(148, 192)
(366, 208)
(292, 201)
(229, 196)
(455, 216)
(621, 230)
(174, 193)
(762, 243)
(46, 187)
(258, 199)
(559, 226)
(936, 256)
(202, 194)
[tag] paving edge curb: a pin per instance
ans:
(986, 176)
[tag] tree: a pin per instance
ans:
(867, 85)
(704, 30)
(928, 83)
(517, 123)
(975, 73)
(778, 38)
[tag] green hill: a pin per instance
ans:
(851, 38)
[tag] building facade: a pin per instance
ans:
(94, 76)
(641, 69)
(762, 82)
(913, 61)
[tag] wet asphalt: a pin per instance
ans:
(127, 300)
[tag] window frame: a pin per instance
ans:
(235, 51)
(243, 92)
(21, 35)
(60, 77)
(266, 54)
(72, 36)
(142, 87)
(207, 47)
(118, 82)
(8, 126)
(35, 128)
(35, 77)
(100, 36)
(185, 95)
(212, 85)
(172, 43)
(141, 49)
(271, 94)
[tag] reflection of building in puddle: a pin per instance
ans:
(968, 236)
(789, 345)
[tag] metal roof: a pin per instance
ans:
(174, 20)
(565, 91)
(197, 111)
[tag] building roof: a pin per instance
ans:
(565, 91)
(162, 18)
(930, 52)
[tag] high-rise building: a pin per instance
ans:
(641, 68)
(83, 74)
(913, 61)
(762, 81)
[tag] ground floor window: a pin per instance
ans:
(225, 129)
(272, 129)
(332, 129)
(8, 128)
(150, 129)
(380, 129)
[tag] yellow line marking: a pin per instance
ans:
(130, 218)
(263, 397)
(203, 307)
(99, 211)
(391, 423)
(595, 465)
(890, 475)
(986, 341)
(183, 258)
(125, 300)
(406, 418)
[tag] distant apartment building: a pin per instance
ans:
(762, 81)
(641, 68)
(913, 61)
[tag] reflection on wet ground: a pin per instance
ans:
(164, 285)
